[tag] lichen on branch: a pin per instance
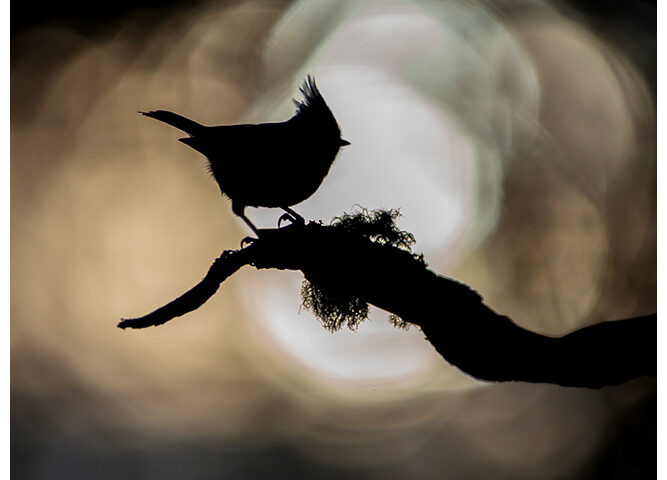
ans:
(336, 311)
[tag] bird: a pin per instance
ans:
(273, 165)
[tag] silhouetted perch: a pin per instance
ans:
(223, 267)
(467, 333)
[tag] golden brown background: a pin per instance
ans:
(518, 139)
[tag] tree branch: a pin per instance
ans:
(467, 333)
(223, 267)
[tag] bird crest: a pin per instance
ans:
(313, 110)
(313, 102)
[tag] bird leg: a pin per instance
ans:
(291, 216)
(239, 210)
(249, 240)
(249, 223)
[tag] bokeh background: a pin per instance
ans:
(516, 136)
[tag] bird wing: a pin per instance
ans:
(253, 145)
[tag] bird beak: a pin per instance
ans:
(343, 143)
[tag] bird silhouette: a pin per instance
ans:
(275, 165)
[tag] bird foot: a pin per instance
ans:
(286, 217)
(248, 240)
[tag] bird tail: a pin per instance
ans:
(176, 120)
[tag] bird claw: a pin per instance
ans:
(247, 240)
(286, 217)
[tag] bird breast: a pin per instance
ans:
(275, 177)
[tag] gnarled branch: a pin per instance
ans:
(467, 333)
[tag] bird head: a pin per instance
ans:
(314, 112)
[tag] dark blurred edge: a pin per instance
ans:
(87, 18)
(630, 25)
(94, 16)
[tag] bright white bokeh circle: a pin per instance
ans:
(407, 151)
